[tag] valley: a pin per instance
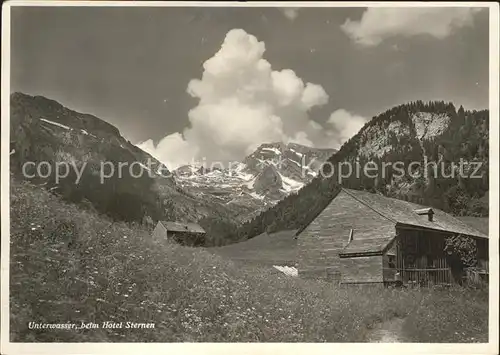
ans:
(247, 197)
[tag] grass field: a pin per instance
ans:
(263, 250)
(72, 265)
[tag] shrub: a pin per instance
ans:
(463, 247)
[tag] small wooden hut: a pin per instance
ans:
(189, 234)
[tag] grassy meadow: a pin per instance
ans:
(68, 264)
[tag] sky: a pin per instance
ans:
(191, 83)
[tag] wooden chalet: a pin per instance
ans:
(189, 234)
(361, 237)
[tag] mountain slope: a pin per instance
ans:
(49, 136)
(418, 133)
(292, 160)
(68, 263)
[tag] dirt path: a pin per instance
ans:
(387, 332)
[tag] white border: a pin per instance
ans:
(494, 160)
(303, 4)
(251, 348)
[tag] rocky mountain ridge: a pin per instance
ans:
(270, 173)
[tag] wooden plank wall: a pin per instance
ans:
(319, 244)
(186, 238)
(421, 258)
(361, 269)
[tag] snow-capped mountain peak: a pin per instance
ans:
(264, 177)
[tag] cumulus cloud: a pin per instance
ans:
(172, 150)
(343, 125)
(379, 23)
(242, 104)
(291, 13)
(301, 138)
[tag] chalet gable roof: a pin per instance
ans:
(404, 213)
(182, 227)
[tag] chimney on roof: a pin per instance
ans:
(426, 211)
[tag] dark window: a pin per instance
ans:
(391, 261)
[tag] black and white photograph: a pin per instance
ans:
(218, 175)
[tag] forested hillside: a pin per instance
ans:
(419, 133)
